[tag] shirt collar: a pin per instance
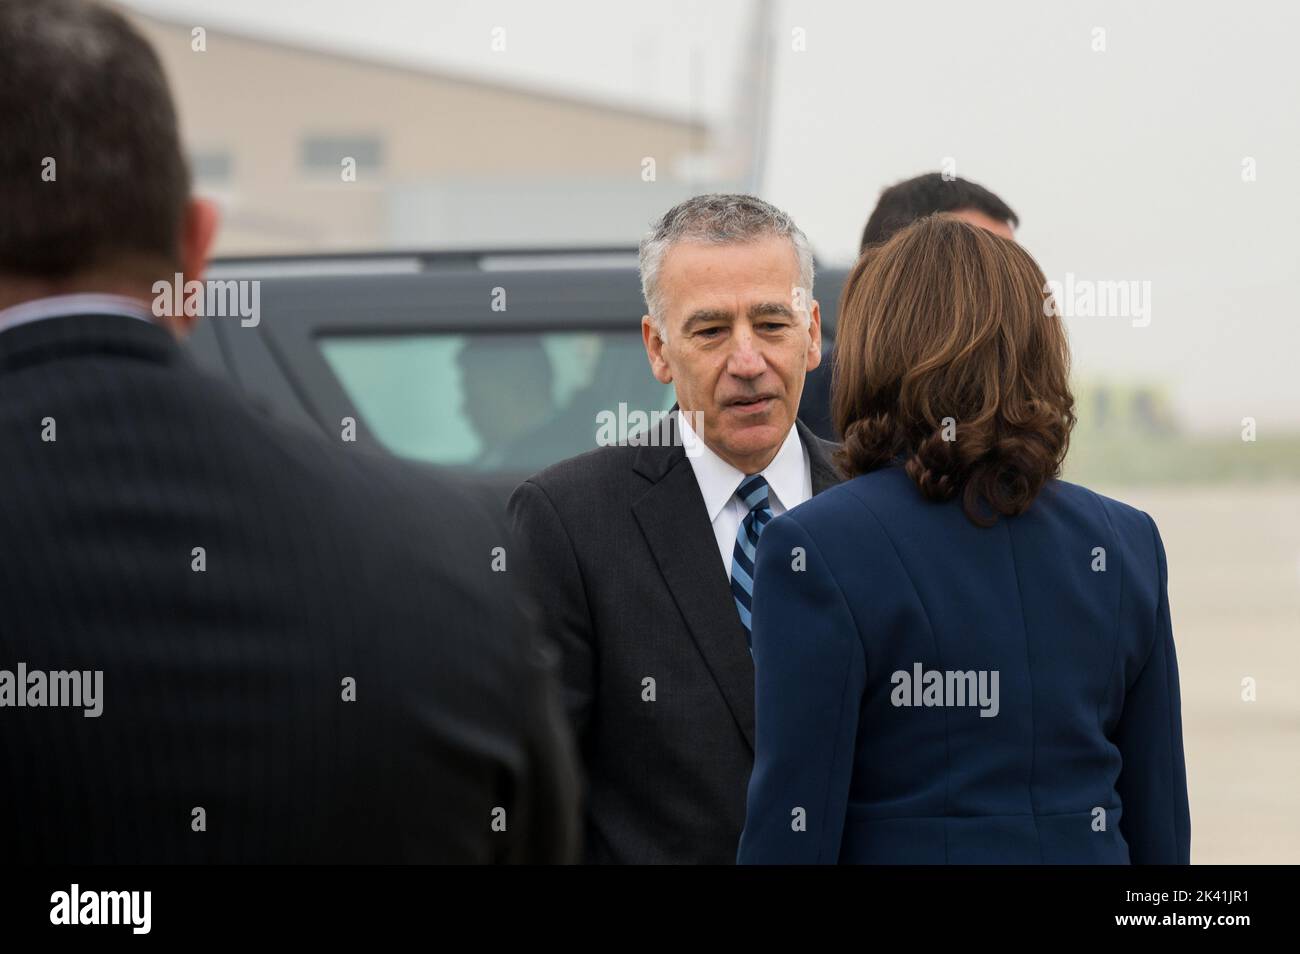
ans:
(718, 480)
(82, 303)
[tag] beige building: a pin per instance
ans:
(440, 161)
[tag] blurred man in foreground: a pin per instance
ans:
(221, 639)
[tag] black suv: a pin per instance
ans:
(495, 362)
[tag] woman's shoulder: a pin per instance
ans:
(1123, 518)
(889, 495)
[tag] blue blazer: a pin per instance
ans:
(932, 692)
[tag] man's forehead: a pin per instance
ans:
(769, 261)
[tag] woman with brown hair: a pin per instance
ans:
(959, 657)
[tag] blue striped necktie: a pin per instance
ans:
(753, 493)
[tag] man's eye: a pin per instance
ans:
(709, 332)
(773, 325)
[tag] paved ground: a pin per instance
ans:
(1234, 590)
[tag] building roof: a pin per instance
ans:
(405, 65)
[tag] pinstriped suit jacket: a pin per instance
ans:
(223, 690)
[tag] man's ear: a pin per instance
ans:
(198, 235)
(654, 350)
(814, 336)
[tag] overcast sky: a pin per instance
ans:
(1124, 164)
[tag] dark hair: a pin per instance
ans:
(80, 86)
(951, 356)
(902, 204)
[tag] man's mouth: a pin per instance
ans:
(751, 405)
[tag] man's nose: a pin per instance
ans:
(746, 359)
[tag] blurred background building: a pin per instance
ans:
(440, 160)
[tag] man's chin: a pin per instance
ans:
(756, 440)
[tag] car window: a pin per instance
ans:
(493, 401)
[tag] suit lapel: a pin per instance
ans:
(677, 528)
(820, 463)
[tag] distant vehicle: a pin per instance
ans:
(496, 363)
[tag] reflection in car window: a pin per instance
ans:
(493, 402)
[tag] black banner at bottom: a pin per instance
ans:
(337, 905)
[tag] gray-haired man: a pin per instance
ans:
(641, 555)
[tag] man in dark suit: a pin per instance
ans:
(641, 554)
(221, 639)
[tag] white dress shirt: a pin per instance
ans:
(788, 476)
(58, 306)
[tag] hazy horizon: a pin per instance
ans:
(1123, 164)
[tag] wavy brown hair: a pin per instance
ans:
(950, 357)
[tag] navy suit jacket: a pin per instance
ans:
(869, 586)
